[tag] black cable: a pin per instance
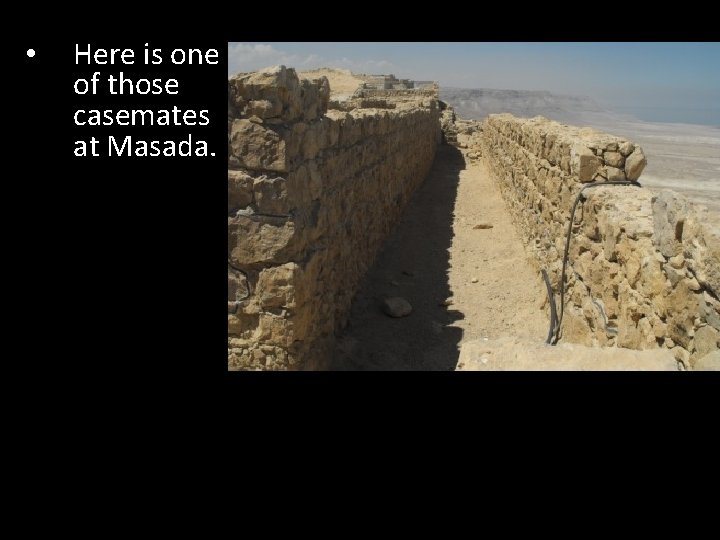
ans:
(553, 309)
(567, 242)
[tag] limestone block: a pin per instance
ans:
(298, 187)
(670, 211)
(255, 241)
(707, 340)
(677, 262)
(634, 164)
(575, 329)
(240, 190)
(674, 275)
(710, 308)
(701, 248)
(626, 148)
(614, 159)
(276, 286)
(632, 308)
(279, 86)
(243, 325)
(652, 279)
(238, 287)
(257, 147)
(623, 209)
(647, 334)
(293, 137)
(582, 264)
(309, 143)
(659, 328)
(233, 101)
(263, 108)
(234, 324)
(614, 174)
(565, 163)
(274, 330)
(311, 101)
(271, 196)
(709, 362)
(682, 356)
(683, 306)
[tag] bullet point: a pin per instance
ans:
(31, 52)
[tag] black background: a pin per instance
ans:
(124, 248)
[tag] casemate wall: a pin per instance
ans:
(312, 193)
(643, 268)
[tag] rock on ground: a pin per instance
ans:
(396, 307)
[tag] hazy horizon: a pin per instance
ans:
(654, 82)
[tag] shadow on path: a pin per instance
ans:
(413, 264)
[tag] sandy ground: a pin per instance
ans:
(342, 82)
(515, 354)
(463, 282)
(508, 294)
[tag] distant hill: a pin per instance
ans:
(477, 103)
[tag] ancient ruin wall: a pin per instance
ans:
(431, 91)
(643, 269)
(311, 196)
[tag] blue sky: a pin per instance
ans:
(624, 75)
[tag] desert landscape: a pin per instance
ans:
(682, 157)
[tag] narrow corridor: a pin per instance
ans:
(457, 259)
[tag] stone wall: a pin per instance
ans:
(643, 268)
(428, 92)
(390, 82)
(312, 194)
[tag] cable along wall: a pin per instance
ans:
(643, 268)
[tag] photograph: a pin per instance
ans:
(472, 206)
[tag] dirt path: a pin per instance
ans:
(462, 281)
(507, 298)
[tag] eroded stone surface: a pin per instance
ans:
(643, 269)
(312, 194)
(634, 164)
(709, 362)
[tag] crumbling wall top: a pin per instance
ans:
(277, 95)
